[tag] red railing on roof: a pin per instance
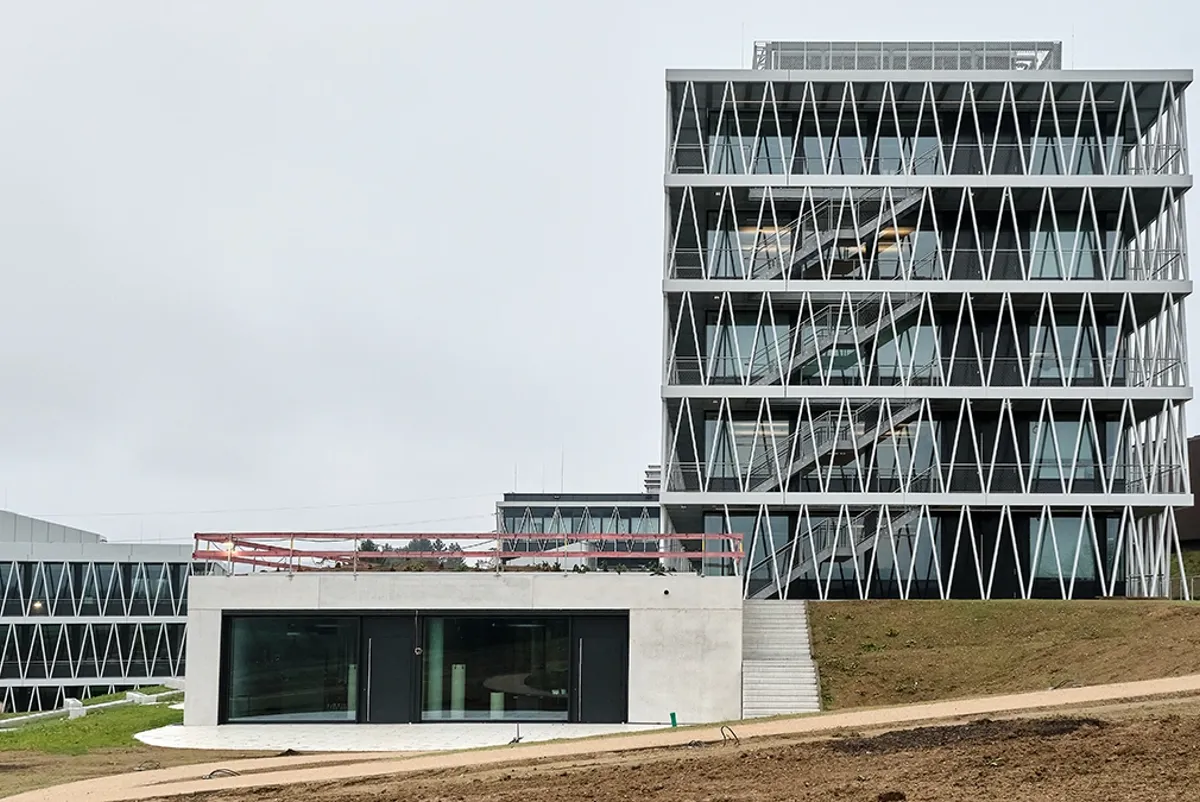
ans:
(309, 551)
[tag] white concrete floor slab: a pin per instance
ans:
(371, 737)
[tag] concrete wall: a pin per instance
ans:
(685, 631)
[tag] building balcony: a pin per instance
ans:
(767, 262)
(824, 369)
(767, 474)
(773, 156)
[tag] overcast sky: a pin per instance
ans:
(351, 264)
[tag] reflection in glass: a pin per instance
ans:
(292, 669)
(745, 348)
(1064, 548)
(507, 669)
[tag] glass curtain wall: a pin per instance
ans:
(1062, 546)
(292, 668)
(505, 669)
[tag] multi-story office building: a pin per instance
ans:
(80, 616)
(924, 320)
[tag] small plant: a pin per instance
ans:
(892, 633)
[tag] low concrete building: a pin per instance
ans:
(391, 647)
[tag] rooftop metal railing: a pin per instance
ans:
(1030, 55)
(367, 551)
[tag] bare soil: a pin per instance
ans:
(27, 771)
(880, 653)
(1127, 752)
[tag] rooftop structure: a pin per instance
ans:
(940, 56)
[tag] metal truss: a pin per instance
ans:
(88, 627)
(927, 338)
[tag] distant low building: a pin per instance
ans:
(602, 514)
(80, 616)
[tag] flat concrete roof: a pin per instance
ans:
(1182, 76)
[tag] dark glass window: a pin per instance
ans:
(1063, 547)
(133, 577)
(112, 599)
(10, 668)
(10, 590)
(496, 669)
(292, 669)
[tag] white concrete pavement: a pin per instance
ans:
(372, 737)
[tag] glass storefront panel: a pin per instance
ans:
(498, 669)
(292, 668)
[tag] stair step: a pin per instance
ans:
(776, 710)
(782, 689)
(779, 676)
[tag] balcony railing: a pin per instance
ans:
(772, 156)
(1041, 477)
(961, 372)
(949, 265)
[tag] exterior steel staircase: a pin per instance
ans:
(831, 540)
(807, 243)
(832, 328)
(833, 432)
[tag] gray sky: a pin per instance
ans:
(313, 254)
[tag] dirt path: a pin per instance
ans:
(326, 769)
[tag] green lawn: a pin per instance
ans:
(112, 727)
(1191, 564)
(149, 690)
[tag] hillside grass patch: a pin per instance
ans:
(898, 652)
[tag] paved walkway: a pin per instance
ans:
(324, 768)
(436, 737)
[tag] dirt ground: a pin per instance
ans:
(25, 771)
(1117, 752)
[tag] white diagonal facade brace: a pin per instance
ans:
(82, 628)
(925, 338)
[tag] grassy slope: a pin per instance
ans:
(893, 652)
(1191, 564)
(113, 727)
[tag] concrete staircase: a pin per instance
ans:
(778, 672)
